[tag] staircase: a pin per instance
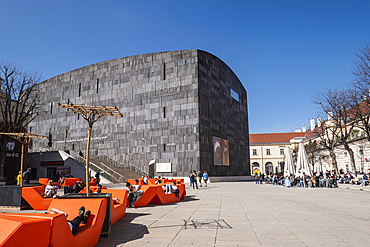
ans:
(126, 173)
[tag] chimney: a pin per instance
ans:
(304, 128)
(319, 122)
(312, 124)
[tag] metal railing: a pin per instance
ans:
(108, 172)
(118, 164)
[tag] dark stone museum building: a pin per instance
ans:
(185, 109)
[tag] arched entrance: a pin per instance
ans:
(269, 168)
(255, 168)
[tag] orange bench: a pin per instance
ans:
(44, 181)
(70, 181)
(18, 230)
(87, 235)
(33, 197)
(118, 210)
(162, 198)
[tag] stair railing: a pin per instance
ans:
(108, 172)
(118, 164)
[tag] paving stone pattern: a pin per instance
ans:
(246, 214)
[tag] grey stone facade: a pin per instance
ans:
(173, 104)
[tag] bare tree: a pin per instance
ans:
(361, 90)
(328, 140)
(362, 70)
(19, 102)
(338, 104)
(314, 152)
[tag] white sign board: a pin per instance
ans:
(163, 167)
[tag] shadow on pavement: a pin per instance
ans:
(125, 231)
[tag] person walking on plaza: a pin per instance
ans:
(19, 177)
(27, 176)
(195, 179)
(200, 176)
(97, 176)
(205, 178)
(256, 178)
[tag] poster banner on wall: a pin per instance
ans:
(225, 153)
(217, 151)
(64, 171)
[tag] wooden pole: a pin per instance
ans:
(88, 161)
(22, 150)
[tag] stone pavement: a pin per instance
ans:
(246, 214)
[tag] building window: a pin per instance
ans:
(345, 154)
(361, 152)
(97, 85)
(234, 94)
(79, 90)
(51, 108)
(281, 151)
(164, 71)
(254, 151)
(164, 112)
(164, 147)
(268, 152)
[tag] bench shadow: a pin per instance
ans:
(124, 231)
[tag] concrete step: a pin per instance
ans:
(127, 173)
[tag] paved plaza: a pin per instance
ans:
(246, 214)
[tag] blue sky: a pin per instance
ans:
(284, 52)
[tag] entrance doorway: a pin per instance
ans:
(50, 172)
(269, 168)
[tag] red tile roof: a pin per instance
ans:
(274, 137)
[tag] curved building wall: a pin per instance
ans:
(159, 95)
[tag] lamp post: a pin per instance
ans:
(91, 114)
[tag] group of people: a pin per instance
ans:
(194, 176)
(319, 180)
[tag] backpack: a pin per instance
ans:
(191, 176)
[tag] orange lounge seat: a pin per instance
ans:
(118, 210)
(43, 181)
(162, 198)
(87, 235)
(24, 231)
(70, 181)
(149, 192)
(33, 197)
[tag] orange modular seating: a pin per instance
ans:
(118, 210)
(163, 198)
(149, 193)
(155, 194)
(53, 229)
(87, 235)
(70, 181)
(18, 230)
(33, 197)
(44, 181)
(152, 180)
(93, 181)
(92, 188)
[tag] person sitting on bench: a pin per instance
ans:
(75, 223)
(50, 190)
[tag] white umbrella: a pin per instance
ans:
(289, 165)
(303, 166)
